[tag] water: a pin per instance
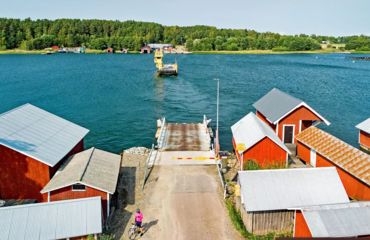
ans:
(119, 99)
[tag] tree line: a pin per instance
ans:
(100, 34)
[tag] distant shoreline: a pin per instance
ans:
(94, 51)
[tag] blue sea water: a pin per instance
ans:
(119, 98)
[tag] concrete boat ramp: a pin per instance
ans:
(183, 194)
(184, 144)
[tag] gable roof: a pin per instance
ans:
(52, 220)
(364, 126)
(345, 156)
(250, 130)
(93, 167)
(338, 220)
(277, 104)
(39, 134)
(282, 189)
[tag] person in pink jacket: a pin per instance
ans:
(139, 220)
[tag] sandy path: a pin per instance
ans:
(185, 202)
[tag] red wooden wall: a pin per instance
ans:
(23, 177)
(365, 139)
(355, 188)
(300, 114)
(300, 227)
(266, 153)
(263, 118)
(67, 193)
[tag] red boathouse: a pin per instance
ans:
(334, 220)
(286, 115)
(255, 140)
(33, 144)
(320, 149)
(91, 173)
(364, 134)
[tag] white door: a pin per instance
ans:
(313, 158)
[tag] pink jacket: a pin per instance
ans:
(139, 217)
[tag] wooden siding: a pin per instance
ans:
(264, 119)
(300, 114)
(264, 222)
(300, 227)
(355, 188)
(364, 139)
(23, 177)
(66, 193)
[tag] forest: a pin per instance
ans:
(30, 34)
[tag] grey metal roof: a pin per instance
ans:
(281, 189)
(338, 220)
(93, 167)
(276, 104)
(364, 126)
(39, 134)
(53, 220)
(159, 45)
(250, 129)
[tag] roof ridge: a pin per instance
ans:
(87, 163)
(300, 100)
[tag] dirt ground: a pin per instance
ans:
(178, 202)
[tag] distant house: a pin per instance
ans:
(364, 134)
(55, 48)
(334, 220)
(73, 219)
(155, 46)
(254, 140)
(320, 149)
(269, 198)
(109, 50)
(33, 144)
(146, 50)
(286, 115)
(90, 173)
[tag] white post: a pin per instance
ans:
(217, 113)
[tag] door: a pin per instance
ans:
(313, 158)
(288, 133)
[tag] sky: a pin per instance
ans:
(323, 17)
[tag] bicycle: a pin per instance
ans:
(134, 231)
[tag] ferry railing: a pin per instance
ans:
(162, 133)
(149, 163)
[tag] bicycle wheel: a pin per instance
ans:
(132, 233)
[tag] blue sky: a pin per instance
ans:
(325, 17)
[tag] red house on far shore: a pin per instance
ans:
(286, 115)
(91, 173)
(255, 140)
(364, 134)
(33, 144)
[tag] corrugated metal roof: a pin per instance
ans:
(39, 134)
(276, 104)
(338, 220)
(93, 167)
(364, 126)
(345, 156)
(280, 189)
(54, 220)
(250, 129)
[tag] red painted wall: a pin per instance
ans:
(263, 118)
(23, 177)
(300, 227)
(67, 193)
(301, 113)
(266, 153)
(365, 139)
(355, 188)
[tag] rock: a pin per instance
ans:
(137, 150)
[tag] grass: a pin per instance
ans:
(20, 51)
(271, 52)
(237, 221)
